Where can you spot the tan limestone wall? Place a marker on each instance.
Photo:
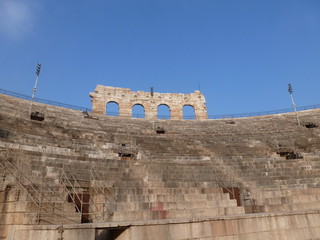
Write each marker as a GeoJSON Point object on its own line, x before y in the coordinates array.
{"type": "Point", "coordinates": [126, 99]}
{"type": "Point", "coordinates": [290, 226]}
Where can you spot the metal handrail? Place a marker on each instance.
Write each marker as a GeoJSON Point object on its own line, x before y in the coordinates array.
{"type": "Point", "coordinates": [116, 114]}
{"type": "Point", "coordinates": [53, 103]}
{"type": "Point", "coordinates": [66, 169]}
{"type": "Point", "coordinates": [24, 172]}
{"type": "Point", "coordinates": [35, 200]}
{"type": "Point", "coordinates": [263, 113]}
{"type": "Point", "coordinates": [97, 178]}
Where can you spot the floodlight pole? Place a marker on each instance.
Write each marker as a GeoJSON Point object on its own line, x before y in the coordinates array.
{"type": "Point", "coordinates": [292, 101]}
{"type": "Point", "coordinates": [35, 84]}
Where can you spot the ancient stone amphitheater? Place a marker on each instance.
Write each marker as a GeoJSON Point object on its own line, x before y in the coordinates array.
{"type": "Point", "coordinates": [74, 175]}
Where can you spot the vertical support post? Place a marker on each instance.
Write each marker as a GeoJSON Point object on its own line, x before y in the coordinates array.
{"type": "Point", "coordinates": [81, 203]}
{"type": "Point", "coordinates": [40, 204]}
{"type": "Point", "coordinates": [292, 101]}
{"type": "Point", "coordinates": [63, 213]}
{"type": "Point", "coordinates": [63, 194]}
{"type": "Point", "coordinates": [92, 187]}
{"type": "Point", "coordinates": [103, 207]}
{"type": "Point", "coordinates": [233, 195]}
{"type": "Point", "coordinates": [35, 85]}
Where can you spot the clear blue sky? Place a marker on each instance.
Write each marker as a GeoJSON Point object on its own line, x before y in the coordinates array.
{"type": "Point", "coordinates": [241, 53]}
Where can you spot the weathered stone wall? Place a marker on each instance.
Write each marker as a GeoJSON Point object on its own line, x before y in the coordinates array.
{"type": "Point", "coordinates": [173, 175]}
{"type": "Point", "coordinates": [126, 99]}
{"type": "Point", "coordinates": [289, 226]}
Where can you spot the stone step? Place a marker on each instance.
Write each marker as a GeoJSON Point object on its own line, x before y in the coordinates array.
{"type": "Point", "coordinates": [60, 218]}
{"type": "Point", "coordinates": [174, 184]}
{"type": "Point", "coordinates": [288, 199]}
{"type": "Point", "coordinates": [174, 214]}
{"type": "Point", "coordinates": [3, 231]}
{"type": "Point", "coordinates": [134, 206]}
{"type": "Point", "coordinates": [32, 207]}
{"type": "Point", "coordinates": [289, 207]}
{"type": "Point", "coordinates": [159, 190]}
{"type": "Point", "coordinates": [21, 218]}
{"type": "Point", "coordinates": [285, 193]}
{"type": "Point", "coordinates": [18, 218]}
{"type": "Point", "coordinates": [171, 198]}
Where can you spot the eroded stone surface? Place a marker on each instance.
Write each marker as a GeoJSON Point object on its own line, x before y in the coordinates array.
{"type": "Point", "coordinates": [169, 177]}
{"type": "Point", "coordinates": [126, 99]}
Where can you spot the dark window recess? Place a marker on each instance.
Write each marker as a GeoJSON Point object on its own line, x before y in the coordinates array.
{"type": "Point", "coordinates": [82, 202]}
{"type": "Point", "coordinates": [125, 155]}
{"type": "Point", "coordinates": [123, 144]}
{"type": "Point", "coordinates": [160, 130]}
{"type": "Point", "coordinates": [310, 125]}
{"type": "Point", "coordinates": [109, 233]}
{"type": "Point", "coordinates": [4, 133]}
{"type": "Point", "coordinates": [37, 116]}
{"type": "Point", "coordinates": [234, 193]}
{"type": "Point", "coordinates": [290, 155]}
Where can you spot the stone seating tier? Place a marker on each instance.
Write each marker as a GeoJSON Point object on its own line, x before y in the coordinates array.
{"type": "Point", "coordinates": [178, 174]}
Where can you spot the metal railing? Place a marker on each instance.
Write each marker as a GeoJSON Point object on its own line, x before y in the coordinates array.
{"type": "Point", "coordinates": [263, 113]}
{"type": "Point", "coordinates": [190, 117]}
{"type": "Point", "coordinates": [39, 100]}
{"type": "Point", "coordinates": [35, 191]}
{"type": "Point", "coordinates": [76, 188]}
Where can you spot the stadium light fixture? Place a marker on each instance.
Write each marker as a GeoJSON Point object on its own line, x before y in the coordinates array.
{"type": "Point", "coordinates": [292, 101]}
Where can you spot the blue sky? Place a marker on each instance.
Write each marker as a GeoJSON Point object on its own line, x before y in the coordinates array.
{"type": "Point", "coordinates": [242, 53]}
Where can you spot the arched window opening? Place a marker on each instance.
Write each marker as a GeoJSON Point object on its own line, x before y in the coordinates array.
{"type": "Point", "coordinates": [112, 109]}
{"type": "Point", "coordinates": [138, 111]}
{"type": "Point", "coordinates": [188, 112]}
{"type": "Point", "coordinates": [163, 111]}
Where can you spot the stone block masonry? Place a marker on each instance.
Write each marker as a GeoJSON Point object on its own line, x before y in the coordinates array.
{"type": "Point", "coordinates": [126, 99]}
{"type": "Point", "coordinates": [180, 184]}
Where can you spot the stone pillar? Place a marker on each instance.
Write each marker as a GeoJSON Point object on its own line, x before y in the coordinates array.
{"type": "Point", "coordinates": [149, 110]}
{"type": "Point", "coordinates": [176, 112]}
{"type": "Point", "coordinates": [98, 106]}
{"type": "Point", "coordinates": [201, 113]}
{"type": "Point", "coordinates": [125, 109]}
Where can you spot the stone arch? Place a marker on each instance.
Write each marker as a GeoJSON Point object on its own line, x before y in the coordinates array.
{"type": "Point", "coordinates": [189, 112]}
{"type": "Point", "coordinates": [138, 111]}
{"type": "Point", "coordinates": [163, 111]}
{"type": "Point", "coordinates": [150, 101]}
{"type": "Point", "coordinates": [112, 108]}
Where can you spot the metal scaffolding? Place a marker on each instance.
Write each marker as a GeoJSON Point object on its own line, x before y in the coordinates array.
{"type": "Point", "coordinates": [54, 198]}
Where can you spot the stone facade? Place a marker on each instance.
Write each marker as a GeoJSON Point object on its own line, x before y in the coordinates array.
{"type": "Point", "coordinates": [126, 99]}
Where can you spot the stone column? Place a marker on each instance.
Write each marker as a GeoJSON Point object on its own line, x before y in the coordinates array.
{"type": "Point", "coordinates": [147, 110]}
{"type": "Point", "coordinates": [201, 114]}
{"type": "Point", "coordinates": [125, 109]}
{"type": "Point", "coordinates": [176, 112]}
{"type": "Point", "coordinates": [98, 106]}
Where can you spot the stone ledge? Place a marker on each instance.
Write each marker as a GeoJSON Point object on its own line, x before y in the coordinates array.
{"type": "Point", "coordinates": [171, 221]}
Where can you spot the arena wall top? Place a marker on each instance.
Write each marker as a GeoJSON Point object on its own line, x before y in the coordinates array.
{"type": "Point", "coordinates": [127, 99]}
{"type": "Point", "coordinates": [220, 116]}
